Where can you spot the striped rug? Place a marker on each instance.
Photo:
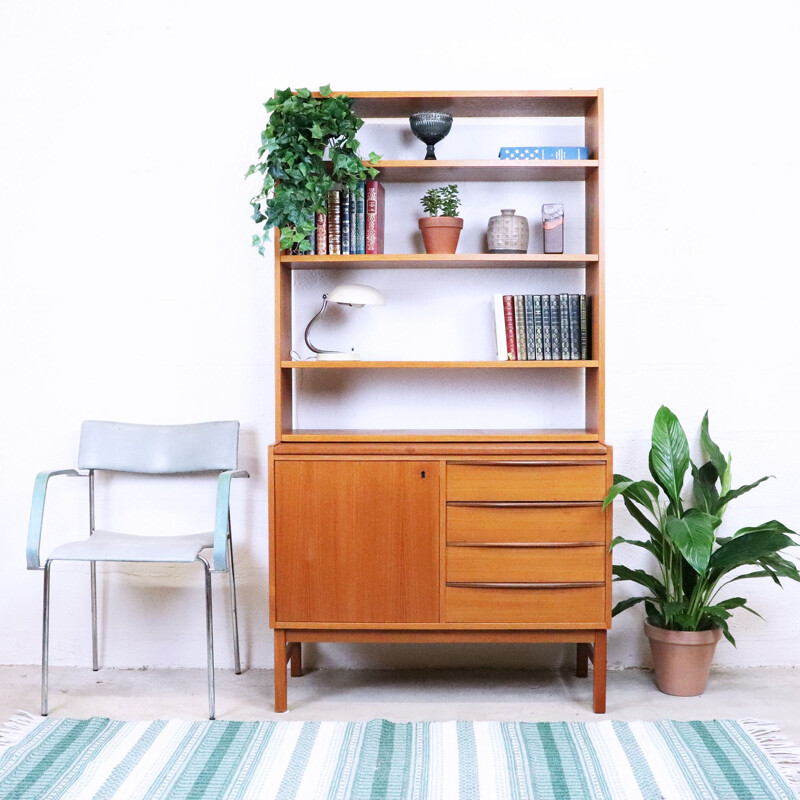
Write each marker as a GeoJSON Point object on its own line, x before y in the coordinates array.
{"type": "Point", "coordinates": [97, 759]}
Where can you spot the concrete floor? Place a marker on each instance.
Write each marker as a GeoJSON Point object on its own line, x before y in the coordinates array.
{"type": "Point", "coordinates": [400, 695]}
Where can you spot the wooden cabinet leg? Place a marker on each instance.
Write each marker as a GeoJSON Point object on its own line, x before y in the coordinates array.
{"type": "Point", "coordinates": [280, 671]}
{"type": "Point", "coordinates": [582, 660]}
{"type": "Point", "coordinates": [296, 659]}
{"type": "Point", "coordinates": [599, 672]}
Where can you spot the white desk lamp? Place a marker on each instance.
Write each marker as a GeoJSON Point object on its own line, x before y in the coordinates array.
{"type": "Point", "coordinates": [356, 295]}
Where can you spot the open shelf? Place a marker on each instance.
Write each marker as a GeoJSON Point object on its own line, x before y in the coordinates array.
{"type": "Point", "coordinates": [439, 364]}
{"type": "Point", "coordinates": [441, 435]}
{"type": "Point", "coordinates": [458, 261]}
{"type": "Point", "coordinates": [545, 103]}
{"type": "Point", "coordinates": [485, 170]}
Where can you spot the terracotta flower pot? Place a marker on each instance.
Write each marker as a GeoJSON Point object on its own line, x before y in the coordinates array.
{"type": "Point", "coordinates": [440, 234]}
{"type": "Point", "coordinates": [682, 659]}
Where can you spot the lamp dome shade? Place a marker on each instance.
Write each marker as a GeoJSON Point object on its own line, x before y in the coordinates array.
{"type": "Point", "coordinates": [356, 294]}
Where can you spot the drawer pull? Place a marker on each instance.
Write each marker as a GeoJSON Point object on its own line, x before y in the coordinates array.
{"type": "Point", "coordinates": [491, 585]}
{"type": "Point", "coordinates": [524, 503]}
{"type": "Point", "coordinates": [527, 463]}
{"type": "Point", "coordinates": [525, 544]}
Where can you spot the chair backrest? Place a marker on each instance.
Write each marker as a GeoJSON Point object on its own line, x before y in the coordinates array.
{"type": "Point", "coordinates": [159, 449]}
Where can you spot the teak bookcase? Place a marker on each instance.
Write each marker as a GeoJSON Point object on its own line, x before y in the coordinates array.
{"type": "Point", "coordinates": [447, 535]}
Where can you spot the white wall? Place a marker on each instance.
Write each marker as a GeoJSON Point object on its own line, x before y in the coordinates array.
{"type": "Point", "coordinates": [129, 290]}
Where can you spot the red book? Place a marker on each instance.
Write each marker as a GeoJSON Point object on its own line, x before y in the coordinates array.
{"type": "Point", "coordinates": [322, 233]}
{"type": "Point", "coordinates": [511, 328]}
{"type": "Point", "coordinates": [375, 205]}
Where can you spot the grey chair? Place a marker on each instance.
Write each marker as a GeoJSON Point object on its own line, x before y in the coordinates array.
{"type": "Point", "coordinates": [155, 450]}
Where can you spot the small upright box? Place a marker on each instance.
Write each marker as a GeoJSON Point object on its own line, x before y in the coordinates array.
{"type": "Point", "coordinates": [553, 227]}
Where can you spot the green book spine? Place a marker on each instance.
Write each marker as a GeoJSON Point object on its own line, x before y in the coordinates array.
{"type": "Point", "coordinates": [574, 328]}
{"type": "Point", "coordinates": [547, 350]}
{"type": "Point", "coordinates": [563, 318]}
{"type": "Point", "coordinates": [530, 345]}
{"type": "Point", "coordinates": [555, 328]}
{"type": "Point", "coordinates": [519, 323]}
{"type": "Point", "coordinates": [584, 327]}
{"type": "Point", "coordinates": [538, 332]}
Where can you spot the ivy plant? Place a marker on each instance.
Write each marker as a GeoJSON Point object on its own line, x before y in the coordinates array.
{"type": "Point", "coordinates": [694, 561]}
{"type": "Point", "coordinates": [308, 147]}
{"type": "Point", "coordinates": [442, 201]}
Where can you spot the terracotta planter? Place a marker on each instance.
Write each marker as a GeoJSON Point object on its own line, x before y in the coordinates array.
{"type": "Point", "coordinates": [682, 659]}
{"type": "Point", "coordinates": [440, 234]}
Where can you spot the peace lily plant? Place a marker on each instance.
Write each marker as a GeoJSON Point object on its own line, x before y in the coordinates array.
{"type": "Point", "coordinates": [694, 562]}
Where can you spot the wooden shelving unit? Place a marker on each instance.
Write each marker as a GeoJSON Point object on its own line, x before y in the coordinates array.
{"type": "Point", "coordinates": [444, 534]}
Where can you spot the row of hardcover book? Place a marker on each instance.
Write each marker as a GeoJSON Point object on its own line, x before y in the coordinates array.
{"type": "Point", "coordinates": [542, 327]}
{"type": "Point", "coordinates": [353, 223]}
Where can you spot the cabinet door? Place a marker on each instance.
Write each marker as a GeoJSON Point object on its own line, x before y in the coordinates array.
{"type": "Point", "coordinates": [357, 541]}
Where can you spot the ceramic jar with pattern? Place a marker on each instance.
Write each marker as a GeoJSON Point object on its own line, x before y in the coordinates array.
{"type": "Point", "coordinates": [507, 233]}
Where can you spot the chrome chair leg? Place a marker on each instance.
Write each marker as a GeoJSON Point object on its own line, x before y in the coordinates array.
{"type": "Point", "coordinates": [237, 663]}
{"type": "Point", "coordinates": [93, 574]}
{"type": "Point", "coordinates": [45, 635]}
{"type": "Point", "coordinates": [209, 639]}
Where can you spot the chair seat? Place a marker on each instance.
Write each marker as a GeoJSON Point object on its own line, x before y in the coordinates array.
{"type": "Point", "coordinates": [109, 546]}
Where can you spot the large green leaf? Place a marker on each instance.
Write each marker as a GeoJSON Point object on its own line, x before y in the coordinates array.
{"type": "Point", "coordinates": [711, 448]}
{"type": "Point", "coordinates": [623, 573]}
{"type": "Point", "coordinates": [734, 493]}
{"type": "Point", "coordinates": [747, 549]}
{"type": "Point", "coordinates": [669, 454]}
{"type": "Point", "coordinates": [636, 542]}
{"type": "Point", "coordinates": [650, 527]}
{"type": "Point", "coordinates": [706, 496]}
{"type": "Point", "coordinates": [625, 604]}
{"type": "Point", "coordinates": [643, 492]}
{"type": "Point", "coordinates": [693, 535]}
{"type": "Point", "coordinates": [773, 526]}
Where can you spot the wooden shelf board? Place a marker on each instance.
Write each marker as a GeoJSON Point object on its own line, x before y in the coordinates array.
{"type": "Point", "coordinates": [439, 364]}
{"type": "Point", "coordinates": [574, 103]}
{"type": "Point", "coordinates": [485, 170]}
{"type": "Point", "coordinates": [444, 261]}
{"type": "Point", "coordinates": [444, 435]}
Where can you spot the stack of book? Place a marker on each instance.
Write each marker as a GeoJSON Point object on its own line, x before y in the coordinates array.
{"type": "Point", "coordinates": [353, 223]}
{"type": "Point", "coordinates": [543, 153]}
{"type": "Point", "coordinates": [542, 327]}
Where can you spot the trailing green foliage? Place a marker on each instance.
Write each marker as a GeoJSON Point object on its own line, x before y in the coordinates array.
{"type": "Point", "coordinates": [442, 201]}
{"type": "Point", "coordinates": [694, 561]}
{"type": "Point", "coordinates": [303, 134]}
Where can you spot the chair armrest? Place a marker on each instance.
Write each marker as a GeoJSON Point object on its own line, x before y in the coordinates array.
{"type": "Point", "coordinates": [37, 513]}
{"type": "Point", "coordinates": [222, 516]}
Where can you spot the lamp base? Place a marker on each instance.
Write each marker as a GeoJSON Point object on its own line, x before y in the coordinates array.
{"type": "Point", "coordinates": [338, 357]}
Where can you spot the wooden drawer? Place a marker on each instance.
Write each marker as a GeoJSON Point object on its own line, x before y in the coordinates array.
{"type": "Point", "coordinates": [510, 524]}
{"type": "Point", "coordinates": [547, 481]}
{"type": "Point", "coordinates": [525, 564]}
{"type": "Point", "coordinates": [553, 607]}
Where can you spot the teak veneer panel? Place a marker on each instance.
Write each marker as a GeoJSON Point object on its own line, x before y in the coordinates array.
{"type": "Point", "coordinates": [525, 564]}
{"type": "Point", "coordinates": [358, 541]}
{"type": "Point", "coordinates": [562, 607]}
{"type": "Point", "coordinates": [562, 524]}
{"type": "Point", "coordinates": [506, 481]}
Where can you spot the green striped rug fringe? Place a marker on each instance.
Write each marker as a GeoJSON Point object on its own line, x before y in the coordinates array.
{"type": "Point", "coordinates": [100, 759]}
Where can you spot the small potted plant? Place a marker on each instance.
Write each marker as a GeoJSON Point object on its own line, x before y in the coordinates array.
{"type": "Point", "coordinates": [686, 615]}
{"type": "Point", "coordinates": [441, 229]}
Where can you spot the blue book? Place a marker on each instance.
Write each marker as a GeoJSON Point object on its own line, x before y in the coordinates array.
{"type": "Point", "coordinates": [543, 153]}
{"type": "Point", "coordinates": [361, 243]}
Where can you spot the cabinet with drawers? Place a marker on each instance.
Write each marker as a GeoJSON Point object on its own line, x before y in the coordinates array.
{"type": "Point", "coordinates": [435, 543]}
{"type": "Point", "coordinates": [449, 535]}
